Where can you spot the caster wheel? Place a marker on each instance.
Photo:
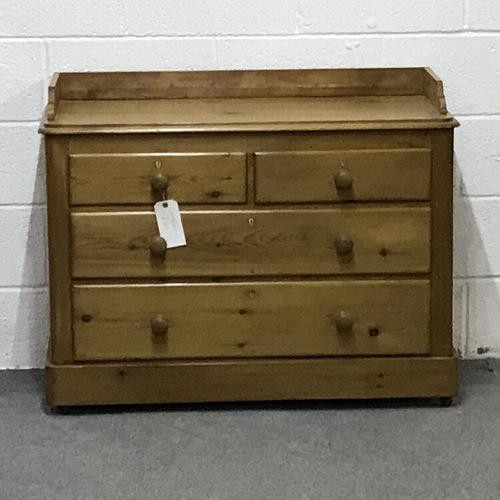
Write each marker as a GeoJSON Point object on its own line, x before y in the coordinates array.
{"type": "Point", "coordinates": [446, 402]}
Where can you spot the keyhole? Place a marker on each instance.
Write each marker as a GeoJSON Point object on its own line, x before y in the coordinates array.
{"type": "Point", "coordinates": [158, 164]}
{"type": "Point", "coordinates": [251, 221]}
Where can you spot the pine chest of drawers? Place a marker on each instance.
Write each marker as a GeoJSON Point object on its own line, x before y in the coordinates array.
{"type": "Point", "coordinates": [317, 208]}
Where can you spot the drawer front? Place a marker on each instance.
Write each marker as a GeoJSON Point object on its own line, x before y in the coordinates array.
{"type": "Point", "coordinates": [252, 243]}
{"type": "Point", "coordinates": [251, 319]}
{"type": "Point", "coordinates": [146, 178]}
{"type": "Point", "coordinates": [316, 176]}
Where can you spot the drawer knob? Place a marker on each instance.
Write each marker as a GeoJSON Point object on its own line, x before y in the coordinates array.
{"type": "Point", "coordinates": [158, 247]}
{"type": "Point", "coordinates": [159, 183]}
{"type": "Point", "coordinates": [343, 180]}
{"type": "Point", "coordinates": [343, 321]}
{"type": "Point", "coordinates": [344, 245]}
{"type": "Point", "coordinates": [159, 325]}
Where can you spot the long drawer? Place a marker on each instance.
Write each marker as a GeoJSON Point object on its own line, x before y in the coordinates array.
{"type": "Point", "coordinates": [145, 178]}
{"type": "Point", "coordinates": [326, 176]}
{"type": "Point", "coordinates": [245, 243]}
{"type": "Point", "coordinates": [253, 319]}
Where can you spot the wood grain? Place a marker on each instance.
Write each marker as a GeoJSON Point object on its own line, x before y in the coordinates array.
{"type": "Point", "coordinates": [253, 380]}
{"type": "Point", "coordinates": [53, 97]}
{"type": "Point", "coordinates": [442, 244]}
{"type": "Point", "coordinates": [126, 179]}
{"type": "Point", "coordinates": [251, 128]}
{"type": "Point", "coordinates": [247, 83]}
{"type": "Point", "coordinates": [250, 319]}
{"type": "Point", "coordinates": [249, 142]}
{"type": "Point", "coordinates": [246, 243]}
{"type": "Point", "coordinates": [159, 102]}
{"type": "Point", "coordinates": [258, 304]}
{"type": "Point", "coordinates": [309, 176]}
{"type": "Point", "coordinates": [433, 90]}
{"type": "Point", "coordinates": [59, 250]}
{"type": "Point", "coordinates": [235, 111]}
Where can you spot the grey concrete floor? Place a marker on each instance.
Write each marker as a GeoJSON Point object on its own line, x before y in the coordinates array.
{"type": "Point", "coordinates": [317, 450]}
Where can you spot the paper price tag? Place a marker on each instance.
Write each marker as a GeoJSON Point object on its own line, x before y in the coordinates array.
{"type": "Point", "coordinates": [169, 223]}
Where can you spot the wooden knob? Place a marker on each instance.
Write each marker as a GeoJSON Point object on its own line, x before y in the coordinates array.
{"type": "Point", "coordinates": [159, 183]}
{"type": "Point", "coordinates": [343, 321]}
{"type": "Point", "coordinates": [158, 247]}
{"type": "Point", "coordinates": [159, 325]}
{"type": "Point", "coordinates": [343, 180]}
{"type": "Point", "coordinates": [344, 245]}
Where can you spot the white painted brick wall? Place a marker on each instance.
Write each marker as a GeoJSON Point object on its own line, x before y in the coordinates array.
{"type": "Point", "coordinates": [460, 39]}
{"type": "Point", "coordinates": [380, 16]}
{"type": "Point", "coordinates": [22, 75]}
{"type": "Point", "coordinates": [131, 54]}
{"type": "Point", "coordinates": [300, 52]}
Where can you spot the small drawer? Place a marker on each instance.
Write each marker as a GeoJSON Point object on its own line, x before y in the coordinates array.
{"type": "Point", "coordinates": [145, 178]}
{"type": "Point", "coordinates": [326, 176]}
{"type": "Point", "coordinates": [230, 320]}
{"type": "Point", "coordinates": [254, 242]}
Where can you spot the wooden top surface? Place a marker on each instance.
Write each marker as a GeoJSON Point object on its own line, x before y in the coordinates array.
{"type": "Point", "coordinates": [245, 100]}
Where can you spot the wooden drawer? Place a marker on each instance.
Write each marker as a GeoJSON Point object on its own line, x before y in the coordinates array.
{"type": "Point", "coordinates": [141, 178]}
{"type": "Point", "coordinates": [265, 242]}
{"type": "Point", "coordinates": [251, 319]}
{"type": "Point", "coordinates": [321, 176]}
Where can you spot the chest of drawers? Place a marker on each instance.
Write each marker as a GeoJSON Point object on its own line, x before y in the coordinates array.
{"type": "Point", "coordinates": [317, 207]}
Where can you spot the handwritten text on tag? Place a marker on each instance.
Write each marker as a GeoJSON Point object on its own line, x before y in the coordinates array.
{"type": "Point", "coordinates": [169, 223]}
